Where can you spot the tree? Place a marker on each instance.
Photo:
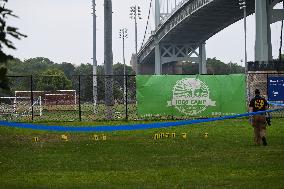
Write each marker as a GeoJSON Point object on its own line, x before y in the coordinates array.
{"type": "Point", "coordinates": [53, 79]}
{"type": "Point", "coordinates": [189, 68]}
{"type": "Point", "coordinates": [214, 66]}
{"type": "Point", "coordinates": [5, 32]}
{"type": "Point", "coordinates": [30, 66]}
{"type": "Point", "coordinates": [67, 68]}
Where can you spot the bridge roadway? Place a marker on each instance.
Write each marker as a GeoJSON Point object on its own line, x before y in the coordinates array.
{"type": "Point", "coordinates": [194, 22]}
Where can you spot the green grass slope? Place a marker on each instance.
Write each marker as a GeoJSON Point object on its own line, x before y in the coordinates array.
{"type": "Point", "coordinates": [226, 159]}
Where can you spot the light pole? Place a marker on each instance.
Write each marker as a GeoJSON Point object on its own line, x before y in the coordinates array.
{"type": "Point", "coordinates": [135, 13]}
{"type": "Point", "coordinates": [123, 34]}
{"type": "Point", "coordinates": [95, 90]}
{"type": "Point", "coordinates": [242, 4]}
{"type": "Point", "coordinates": [108, 59]}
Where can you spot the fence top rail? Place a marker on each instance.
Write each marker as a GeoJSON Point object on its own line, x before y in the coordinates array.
{"type": "Point", "coordinates": [117, 75]}
{"type": "Point", "coordinates": [114, 75]}
{"type": "Point", "coordinates": [18, 75]}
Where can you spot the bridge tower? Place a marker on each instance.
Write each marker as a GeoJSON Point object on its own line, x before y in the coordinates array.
{"type": "Point", "coordinates": [166, 53]}
{"type": "Point", "coordinates": [264, 66]}
{"type": "Point", "coordinates": [264, 16]}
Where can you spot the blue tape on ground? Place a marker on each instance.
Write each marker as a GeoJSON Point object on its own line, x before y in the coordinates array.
{"type": "Point", "coordinates": [125, 127]}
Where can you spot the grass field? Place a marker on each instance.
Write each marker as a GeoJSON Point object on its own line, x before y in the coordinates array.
{"type": "Point", "coordinates": [226, 159]}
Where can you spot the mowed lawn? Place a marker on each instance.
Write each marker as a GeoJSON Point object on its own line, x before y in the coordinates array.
{"type": "Point", "coordinates": [227, 158]}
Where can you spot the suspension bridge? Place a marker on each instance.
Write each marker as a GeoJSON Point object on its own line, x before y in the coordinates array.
{"type": "Point", "coordinates": [182, 28]}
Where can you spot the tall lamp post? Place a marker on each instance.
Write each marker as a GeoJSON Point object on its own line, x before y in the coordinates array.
{"type": "Point", "coordinates": [108, 58]}
{"type": "Point", "coordinates": [135, 13]}
{"type": "Point", "coordinates": [95, 90]}
{"type": "Point", "coordinates": [242, 4]}
{"type": "Point", "coordinates": [123, 34]}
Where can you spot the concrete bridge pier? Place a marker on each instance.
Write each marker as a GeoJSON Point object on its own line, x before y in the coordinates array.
{"type": "Point", "coordinates": [264, 66]}
{"type": "Point", "coordinates": [264, 16]}
{"type": "Point", "coordinates": [158, 65]}
{"type": "Point", "coordinates": [202, 59]}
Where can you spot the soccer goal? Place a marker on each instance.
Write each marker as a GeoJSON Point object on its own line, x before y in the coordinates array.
{"type": "Point", "coordinates": [53, 100]}
{"type": "Point", "coordinates": [20, 106]}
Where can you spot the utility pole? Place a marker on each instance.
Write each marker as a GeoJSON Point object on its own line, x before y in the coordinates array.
{"type": "Point", "coordinates": [123, 35]}
{"type": "Point", "coordinates": [108, 58]}
{"type": "Point", "coordinates": [158, 66]}
{"type": "Point", "coordinates": [157, 14]}
{"type": "Point", "coordinates": [242, 4]}
{"type": "Point", "coordinates": [167, 6]}
{"type": "Point", "coordinates": [281, 40]}
{"type": "Point", "coordinates": [135, 13]}
{"type": "Point", "coordinates": [95, 87]}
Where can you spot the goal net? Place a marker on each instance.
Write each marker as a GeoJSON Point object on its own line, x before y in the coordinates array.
{"type": "Point", "coordinates": [53, 100]}
{"type": "Point", "coordinates": [20, 106]}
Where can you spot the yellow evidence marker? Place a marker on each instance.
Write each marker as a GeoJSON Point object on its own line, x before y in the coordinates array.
{"type": "Point", "coordinates": [104, 137]}
{"type": "Point", "coordinates": [36, 139]}
{"type": "Point", "coordinates": [184, 135]}
{"type": "Point", "coordinates": [173, 135]}
{"type": "Point", "coordinates": [167, 135]}
{"type": "Point", "coordinates": [96, 137]}
{"type": "Point", "coordinates": [156, 136]}
{"type": "Point", "coordinates": [205, 135]}
{"type": "Point", "coordinates": [64, 137]}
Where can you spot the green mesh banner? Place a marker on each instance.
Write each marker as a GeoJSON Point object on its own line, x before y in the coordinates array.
{"type": "Point", "coordinates": [200, 95]}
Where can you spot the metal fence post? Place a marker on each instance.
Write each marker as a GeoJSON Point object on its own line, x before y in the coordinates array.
{"type": "Point", "coordinates": [32, 96]}
{"type": "Point", "coordinates": [79, 97]}
{"type": "Point", "coordinates": [126, 101]}
{"type": "Point", "coordinates": [267, 85]}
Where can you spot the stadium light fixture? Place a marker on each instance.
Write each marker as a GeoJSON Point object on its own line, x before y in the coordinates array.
{"type": "Point", "coordinates": [135, 13]}
{"type": "Point", "coordinates": [242, 4]}
{"type": "Point", "coordinates": [123, 34]}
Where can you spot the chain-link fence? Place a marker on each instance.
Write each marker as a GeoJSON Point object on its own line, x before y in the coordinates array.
{"type": "Point", "coordinates": [260, 80]}
{"type": "Point", "coordinates": [87, 97]}
{"type": "Point", "coordinates": [79, 98]}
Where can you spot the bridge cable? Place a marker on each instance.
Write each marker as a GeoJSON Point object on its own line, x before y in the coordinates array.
{"type": "Point", "coordinates": [148, 18]}
{"type": "Point", "coordinates": [281, 40]}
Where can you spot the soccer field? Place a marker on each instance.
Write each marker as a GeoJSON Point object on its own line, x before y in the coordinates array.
{"type": "Point", "coordinates": [227, 158]}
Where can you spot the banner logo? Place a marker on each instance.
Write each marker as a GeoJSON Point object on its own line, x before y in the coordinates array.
{"type": "Point", "coordinates": [191, 96]}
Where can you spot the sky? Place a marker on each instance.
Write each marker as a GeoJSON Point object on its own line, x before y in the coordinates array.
{"type": "Point", "coordinates": [61, 30]}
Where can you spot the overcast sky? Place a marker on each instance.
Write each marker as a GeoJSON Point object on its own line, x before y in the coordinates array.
{"type": "Point", "coordinates": [61, 30]}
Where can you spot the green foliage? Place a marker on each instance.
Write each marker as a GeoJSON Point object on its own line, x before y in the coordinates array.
{"type": "Point", "coordinates": [32, 66]}
{"type": "Point", "coordinates": [3, 79]}
{"type": "Point", "coordinates": [53, 79]}
{"type": "Point", "coordinates": [214, 66]}
{"type": "Point", "coordinates": [86, 70]}
{"type": "Point", "coordinates": [4, 87]}
{"type": "Point", "coordinates": [6, 31]}
{"type": "Point", "coordinates": [67, 68]}
{"type": "Point", "coordinates": [218, 67]}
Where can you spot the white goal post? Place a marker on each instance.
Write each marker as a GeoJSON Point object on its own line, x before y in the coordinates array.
{"type": "Point", "coordinates": [20, 106]}
{"type": "Point", "coordinates": [58, 100]}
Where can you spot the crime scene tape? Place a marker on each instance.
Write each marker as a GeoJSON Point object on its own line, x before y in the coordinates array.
{"type": "Point", "coordinates": [276, 104]}
{"type": "Point", "coordinates": [108, 128]}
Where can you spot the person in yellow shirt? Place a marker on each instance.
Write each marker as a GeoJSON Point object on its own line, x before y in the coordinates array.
{"type": "Point", "coordinates": [256, 104]}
